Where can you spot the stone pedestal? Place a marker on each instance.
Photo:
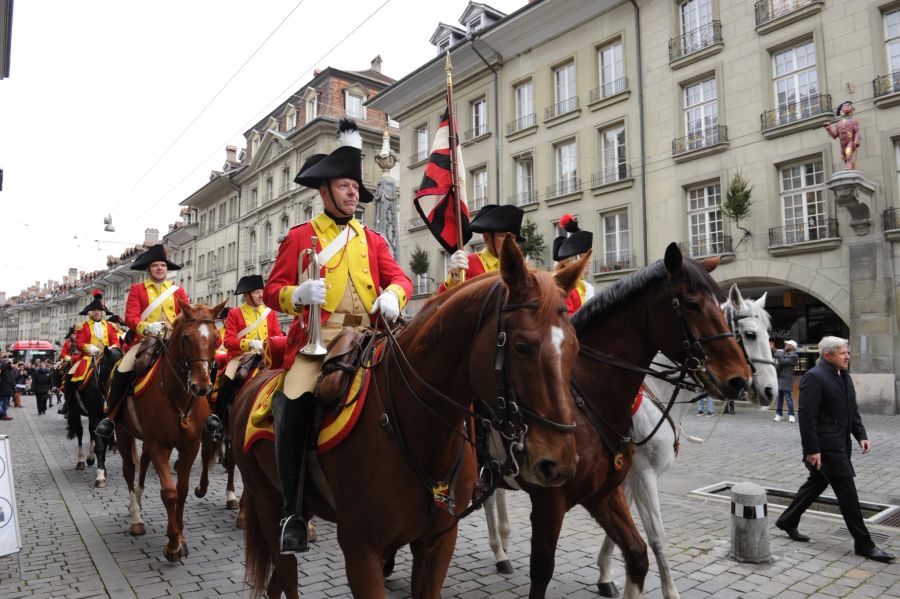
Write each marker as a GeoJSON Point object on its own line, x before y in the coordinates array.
{"type": "Point", "coordinates": [749, 524]}
{"type": "Point", "coordinates": [854, 192]}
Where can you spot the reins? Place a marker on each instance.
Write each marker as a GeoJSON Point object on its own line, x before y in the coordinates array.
{"type": "Point", "coordinates": [184, 368]}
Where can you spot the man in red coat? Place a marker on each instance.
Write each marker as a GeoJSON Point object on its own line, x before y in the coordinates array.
{"type": "Point", "coordinates": [245, 330]}
{"type": "Point", "coordinates": [149, 311]}
{"type": "Point", "coordinates": [95, 333]}
{"type": "Point", "coordinates": [491, 221]}
{"type": "Point", "coordinates": [358, 278]}
{"type": "Point", "coordinates": [567, 248]}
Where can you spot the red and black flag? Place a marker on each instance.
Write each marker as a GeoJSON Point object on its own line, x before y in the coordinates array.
{"type": "Point", "coordinates": [438, 202]}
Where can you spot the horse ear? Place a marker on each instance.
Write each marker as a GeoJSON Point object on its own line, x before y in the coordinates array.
{"type": "Point", "coordinates": [567, 277]}
{"type": "Point", "coordinates": [710, 264]}
{"type": "Point", "coordinates": [674, 260]}
{"type": "Point", "coordinates": [185, 308]}
{"type": "Point", "coordinates": [218, 309]}
{"type": "Point", "coordinates": [761, 302]}
{"type": "Point", "coordinates": [513, 269]}
{"type": "Point", "coordinates": [735, 298]}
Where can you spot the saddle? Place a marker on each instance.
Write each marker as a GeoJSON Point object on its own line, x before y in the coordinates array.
{"type": "Point", "coordinates": [147, 355]}
{"type": "Point", "coordinates": [246, 365]}
{"type": "Point", "coordinates": [346, 353]}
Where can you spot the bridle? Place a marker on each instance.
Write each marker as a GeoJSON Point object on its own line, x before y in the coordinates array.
{"type": "Point", "coordinates": [183, 372]}
{"type": "Point", "coordinates": [733, 318]}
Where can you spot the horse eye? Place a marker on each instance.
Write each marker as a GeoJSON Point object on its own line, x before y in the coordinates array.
{"type": "Point", "coordinates": [750, 334]}
{"type": "Point", "coordinates": [692, 305]}
{"type": "Point", "coordinates": [523, 348]}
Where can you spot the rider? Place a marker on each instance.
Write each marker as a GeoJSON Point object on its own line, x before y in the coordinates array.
{"type": "Point", "coordinates": [567, 248]}
{"type": "Point", "coordinates": [245, 330]}
{"type": "Point", "coordinates": [359, 277]}
{"type": "Point", "coordinates": [95, 333]}
{"type": "Point", "coordinates": [150, 309]}
{"type": "Point", "coordinates": [491, 221]}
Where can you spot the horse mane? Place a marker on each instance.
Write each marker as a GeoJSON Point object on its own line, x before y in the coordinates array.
{"type": "Point", "coordinates": [623, 290]}
{"type": "Point", "coordinates": [761, 313]}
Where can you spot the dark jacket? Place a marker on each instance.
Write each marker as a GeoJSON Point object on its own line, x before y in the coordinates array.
{"type": "Point", "coordinates": [41, 382]}
{"type": "Point", "coordinates": [828, 416]}
{"type": "Point", "coordinates": [785, 363]}
{"type": "Point", "coordinates": [7, 379]}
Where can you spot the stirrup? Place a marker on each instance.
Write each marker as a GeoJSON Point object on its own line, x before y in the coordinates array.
{"type": "Point", "coordinates": [105, 428]}
{"type": "Point", "coordinates": [215, 429]}
{"type": "Point", "coordinates": [294, 536]}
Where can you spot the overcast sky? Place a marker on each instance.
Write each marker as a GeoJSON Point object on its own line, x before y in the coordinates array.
{"type": "Point", "coordinates": [101, 91]}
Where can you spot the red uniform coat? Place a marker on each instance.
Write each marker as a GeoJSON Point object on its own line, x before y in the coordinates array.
{"type": "Point", "coordinates": [573, 301]}
{"type": "Point", "coordinates": [67, 350]}
{"type": "Point", "coordinates": [138, 302]}
{"type": "Point", "coordinates": [235, 323]}
{"type": "Point", "coordinates": [476, 267]}
{"type": "Point", "coordinates": [383, 270]}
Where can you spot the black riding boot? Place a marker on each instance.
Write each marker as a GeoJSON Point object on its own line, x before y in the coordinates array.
{"type": "Point", "coordinates": [118, 388]}
{"type": "Point", "coordinates": [215, 424]}
{"type": "Point", "coordinates": [292, 421]}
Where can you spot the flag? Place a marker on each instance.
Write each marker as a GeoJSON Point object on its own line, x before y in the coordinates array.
{"type": "Point", "coordinates": [435, 201]}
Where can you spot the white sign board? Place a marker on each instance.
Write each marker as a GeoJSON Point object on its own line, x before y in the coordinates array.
{"type": "Point", "coordinates": [10, 539]}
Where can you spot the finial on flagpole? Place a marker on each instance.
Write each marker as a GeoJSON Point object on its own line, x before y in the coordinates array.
{"type": "Point", "coordinates": [448, 67]}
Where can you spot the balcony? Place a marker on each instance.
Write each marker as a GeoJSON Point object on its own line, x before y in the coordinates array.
{"type": "Point", "coordinates": [423, 287]}
{"type": "Point", "coordinates": [613, 262]}
{"type": "Point", "coordinates": [418, 157]}
{"type": "Point", "coordinates": [700, 143]}
{"type": "Point", "coordinates": [618, 173]}
{"type": "Point", "coordinates": [267, 256]}
{"type": "Point", "coordinates": [891, 219]}
{"type": "Point", "coordinates": [526, 198]}
{"type": "Point", "coordinates": [887, 90]}
{"type": "Point", "coordinates": [819, 234]}
{"type": "Point", "coordinates": [565, 187]}
{"type": "Point", "coordinates": [249, 261]}
{"type": "Point", "coordinates": [521, 124]}
{"type": "Point", "coordinates": [695, 45]}
{"type": "Point", "coordinates": [607, 90]}
{"type": "Point", "coordinates": [795, 116]}
{"type": "Point", "coordinates": [416, 222]}
{"type": "Point", "coordinates": [472, 134]}
{"type": "Point", "coordinates": [773, 14]}
{"type": "Point", "coordinates": [477, 204]}
{"type": "Point", "coordinates": [567, 106]}
{"type": "Point", "coordinates": [704, 247]}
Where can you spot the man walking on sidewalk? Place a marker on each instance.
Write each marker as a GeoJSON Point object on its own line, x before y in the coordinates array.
{"type": "Point", "coordinates": [828, 418]}
{"type": "Point", "coordinates": [7, 385]}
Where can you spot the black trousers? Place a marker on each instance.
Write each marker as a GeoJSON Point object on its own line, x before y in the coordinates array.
{"type": "Point", "coordinates": [845, 491]}
{"type": "Point", "coordinates": [41, 402]}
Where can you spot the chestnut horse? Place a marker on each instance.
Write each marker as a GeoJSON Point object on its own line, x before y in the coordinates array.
{"type": "Point", "coordinates": [171, 414]}
{"type": "Point", "coordinates": [673, 307]}
{"type": "Point", "coordinates": [410, 434]}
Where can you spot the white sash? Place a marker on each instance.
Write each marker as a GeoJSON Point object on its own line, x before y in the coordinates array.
{"type": "Point", "coordinates": [336, 245]}
{"type": "Point", "coordinates": [158, 302]}
{"type": "Point", "coordinates": [254, 325]}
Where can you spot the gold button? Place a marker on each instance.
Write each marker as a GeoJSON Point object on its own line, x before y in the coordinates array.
{"type": "Point", "coordinates": [362, 241]}
{"type": "Point", "coordinates": [363, 254]}
{"type": "Point", "coordinates": [328, 286]}
{"type": "Point", "coordinates": [330, 270]}
{"type": "Point", "coordinates": [368, 286]}
{"type": "Point", "coordinates": [365, 270]}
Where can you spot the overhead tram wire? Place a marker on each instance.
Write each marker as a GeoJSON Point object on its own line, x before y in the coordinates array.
{"type": "Point", "coordinates": [258, 115]}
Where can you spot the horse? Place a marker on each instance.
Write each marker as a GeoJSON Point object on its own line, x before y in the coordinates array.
{"type": "Point", "coordinates": [171, 414]}
{"type": "Point", "coordinates": [89, 402]}
{"type": "Point", "coordinates": [670, 306]}
{"type": "Point", "coordinates": [503, 338]}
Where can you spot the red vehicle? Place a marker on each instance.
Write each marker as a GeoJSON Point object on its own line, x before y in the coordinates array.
{"type": "Point", "coordinates": [26, 351]}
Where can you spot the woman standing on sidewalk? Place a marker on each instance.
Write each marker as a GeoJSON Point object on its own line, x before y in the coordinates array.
{"type": "Point", "coordinates": [21, 376]}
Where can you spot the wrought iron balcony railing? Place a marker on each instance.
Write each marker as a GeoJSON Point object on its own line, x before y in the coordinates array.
{"type": "Point", "coordinates": [523, 199]}
{"type": "Point", "coordinates": [475, 132]}
{"type": "Point", "coordinates": [713, 245]}
{"type": "Point", "coordinates": [561, 188]}
{"type": "Point", "coordinates": [811, 106]}
{"type": "Point", "coordinates": [529, 120]}
{"type": "Point", "coordinates": [613, 261]}
{"type": "Point", "coordinates": [816, 229]}
{"type": "Point", "coordinates": [699, 139]}
{"type": "Point", "coordinates": [891, 218]}
{"type": "Point", "coordinates": [886, 84]}
{"type": "Point", "coordinates": [560, 108]}
{"type": "Point", "coordinates": [418, 157]}
{"type": "Point", "coordinates": [608, 89]}
{"type": "Point", "coordinates": [769, 10]}
{"type": "Point", "coordinates": [693, 41]}
{"type": "Point", "coordinates": [611, 174]}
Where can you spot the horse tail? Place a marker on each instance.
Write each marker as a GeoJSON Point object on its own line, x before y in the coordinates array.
{"type": "Point", "coordinates": [73, 418]}
{"type": "Point", "coordinates": [258, 555]}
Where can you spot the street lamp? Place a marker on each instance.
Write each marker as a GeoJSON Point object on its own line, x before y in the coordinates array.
{"type": "Point", "coordinates": [109, 228]}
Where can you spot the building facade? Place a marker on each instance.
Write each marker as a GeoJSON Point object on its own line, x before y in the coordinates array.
{"type": "Point", "coordinates": [636, 117]}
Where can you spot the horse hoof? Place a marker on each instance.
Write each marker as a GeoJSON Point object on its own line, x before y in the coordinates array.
{"type": "Point", "coordinates": [137, 530]}
{"type": "Point", "coordinates": [311, 533]}
{"type": "Point", "coordinates": [90, 461]}
{"type": "Point", "coordinates": [199, 492]}
{"type": "Point", "coordinates": [100, 484]}
{"type": "Point", "coordinates": [79, 466]}
{"type": "Point", "coordinates": [170, 556]}
{"type": "Point", "coordinates": [233, 504]}
{"type": "Point", "coordinates": [607, 589]}
{"type": "Point", "coordinates": [184, 551]}
{"type": "Point", "coordinates": [504, 567]}
{"type": "Point", "coordinates": [240, 522]}
{"type": "Point", "coordinates": [389, 565]}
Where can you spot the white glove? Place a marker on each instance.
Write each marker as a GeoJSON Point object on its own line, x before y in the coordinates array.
{"type": "Point", "coordinates": [255, 344]}
{"type": "Point", "coordinates": [154, 328]}
{"type": "Point", "coordinates": [92, 349]}
{"type": "Point", "coordinates": [309, 293]}
{"type": "Point", "coordinates": [388, 304]}
{"type": "Point", "coordinates": [459, 261]}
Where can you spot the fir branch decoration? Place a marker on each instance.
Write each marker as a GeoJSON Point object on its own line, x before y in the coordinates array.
{"type": "Point", "coordinates": [533, 247]}
{"type": "Point", "coordinates": [418, 261]}
{"type": "Point", "coordinates": [738, 203]}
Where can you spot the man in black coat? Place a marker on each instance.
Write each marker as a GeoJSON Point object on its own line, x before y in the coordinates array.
{"type": "Point", "coordinates": [7, 385]}
{"type": "Point", "coordinates": [828, 417]}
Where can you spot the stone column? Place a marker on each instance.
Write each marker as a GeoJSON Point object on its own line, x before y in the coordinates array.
{"type": "Point", "coordinates": [386, 197]}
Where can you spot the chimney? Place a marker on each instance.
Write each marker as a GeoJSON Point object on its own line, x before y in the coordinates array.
{"type": "Point", "coordinates": [231, 154]}
{"type": "Point", "coordinates": [376, 64]}
{"type": "Point", "coordinates": [151, 237]}
{"type": "Point", "coordinates": [73, 275]}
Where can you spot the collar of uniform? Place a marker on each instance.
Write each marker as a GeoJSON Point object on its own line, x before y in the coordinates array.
{"type": "Point", "coordinates": [490, 261]}
{"type": "Point", "coordinates": [255, 309]}
{"type": "Point", "coordinates": [326, 225]}
{"type": "Point", "coordinates": [151, 283]}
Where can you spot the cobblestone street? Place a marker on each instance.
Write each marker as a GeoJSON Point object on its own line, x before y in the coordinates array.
{"type": "Point", "coordinates": [76, 541]}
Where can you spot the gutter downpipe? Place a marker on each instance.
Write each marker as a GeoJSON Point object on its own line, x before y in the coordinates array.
{"type": "Point", "coordinates": [496, 113]}
{"type": "Point", "coordinates": [640, 91]}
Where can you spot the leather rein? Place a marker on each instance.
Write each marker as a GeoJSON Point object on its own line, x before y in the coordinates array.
{"type": "Point", "coordinates": [183, 373]}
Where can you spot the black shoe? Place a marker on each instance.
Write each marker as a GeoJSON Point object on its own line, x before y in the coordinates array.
{"type": "Point", "coordinates": [876, 554]}
{"type": "Point", "coordinates": [792, 532]}
{"type": "Point", "coordinates": [294, 535]}
{"type": "Point", "coordinates": [63, 409]}
{"type": "Point", "coordinates": [215, 429]}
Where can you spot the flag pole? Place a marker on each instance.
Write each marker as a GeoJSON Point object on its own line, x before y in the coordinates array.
{"type": "Point", "coordinates": [454, 143]}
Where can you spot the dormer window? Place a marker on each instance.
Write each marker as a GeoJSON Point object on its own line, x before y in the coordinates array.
{"type": "Point", "coordinates": [444, 45]}
{"type": "Point", "coordinates": [354, 97]}
{"type": "Point", "coordinates": [291, 121]}
{"type": "Point", "coordinates": [254, 143]}
{"type": "Point", "coordinates": [474, 24]}
{"type": "Point", "coordinates": [311, 98]}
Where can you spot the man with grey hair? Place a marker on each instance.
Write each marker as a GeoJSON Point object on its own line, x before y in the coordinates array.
{"type": "Point", "coordinates": [828, 418]}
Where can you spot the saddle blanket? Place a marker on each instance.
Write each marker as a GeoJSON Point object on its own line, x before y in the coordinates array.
{"type": "Point", "coordinates": [143, 382]}
{"type": "Point", "coordinates": [334, 429]}
{"type": "Point", "coordinates": [82, 371]}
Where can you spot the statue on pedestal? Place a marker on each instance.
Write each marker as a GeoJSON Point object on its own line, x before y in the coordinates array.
{"type": "Point", "coordinates": [846, 131]}
{"type": "Point", "coordinates": [386, 197]}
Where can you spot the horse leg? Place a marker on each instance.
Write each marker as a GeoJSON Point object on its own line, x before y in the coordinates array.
{"type": "Point", "coordinates": [364, 566]}
{"type": "Point", "coordinates": [548, 508]}
{"type": "Point", "coordinates": [185, 462]}
{"type": "Point", "coordinates": [75, 430]}
{"type": "Point", "coordinates": [613, 515]}
{"type": "Point", "coordinates": [492, 515]}
{"type": "Point", "coordinates": [431, 559]}
{"type": "Point", "coordinates": [646, 498]}
{"type": "Point", "coordinates": [129, 462]}
{"type": "Point", "coordinates": [207, 455]}
{"type": "Point", "coordinates": [91, 456]}
{"type": "Point", "coordinates": [100, 444]}
{"type": "Point", "coordinates": [169, 495]}
{"type": "Point", "coordinates": [605, 584]}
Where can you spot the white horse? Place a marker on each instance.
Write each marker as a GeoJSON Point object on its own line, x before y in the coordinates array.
{"type": "Point", "coordinates": [751, 323]}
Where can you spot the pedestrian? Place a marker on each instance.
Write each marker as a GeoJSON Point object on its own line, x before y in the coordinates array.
{"type": "Point", "coordinates": [707, 399]}
{"type": "Point", "coordinates": [21, 376]}
{"type": "Point", "coordinates": [785, 362]}
{"type": "Point", "coordinates": [7, 385]}
{"type": "Point", "coordinates": [828, 418]}
{"type": "Point", "coordinates": [41, 386]}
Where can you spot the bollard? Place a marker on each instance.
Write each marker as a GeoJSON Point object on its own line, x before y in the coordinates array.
{"type": "Point", "coordinates": [749, 524]}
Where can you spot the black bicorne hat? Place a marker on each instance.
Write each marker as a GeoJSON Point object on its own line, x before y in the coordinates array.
{"type": "Point", "coordinates": [156, 253]}
{"type": "Point", "coordinates": [557, 243]}
{"type": "Point", "coordinates": [96, 304]}
{"type": "Point", "coordinates": [345, 161]}
{"type": "Point", "coordinates": [249, 283]}
{"type": "Point", "coordinates": [837, 111]}
{"type": "Point", "coordinates": [498, 219]}
{"type": "Point", "coordinates": [577, 243]}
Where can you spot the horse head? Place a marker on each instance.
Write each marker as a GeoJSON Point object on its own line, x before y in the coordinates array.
{"type": "Point", "coordinates": [193, 342]}
{"type": "Point", "coordinates": [751, 324]}
{"type": "Point", "coordinates": [707, 345]}
{"type": "Point", "coordinates": [111, 355]}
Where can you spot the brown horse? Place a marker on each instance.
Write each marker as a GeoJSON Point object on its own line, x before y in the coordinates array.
{"type": "Point", "coordinates": [673, 307]}
{"type": "Point", "coordinates": [410, 432]}
{"type": "Point", "coordinates": [171, 414]}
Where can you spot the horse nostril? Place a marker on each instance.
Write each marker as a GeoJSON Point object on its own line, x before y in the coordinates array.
{"type": "Point", "coordinates": [547, 469]}
{"type": "Point", "coordinates": [737, 383]}
{"type": "Point", "coordinates": [770, 393]}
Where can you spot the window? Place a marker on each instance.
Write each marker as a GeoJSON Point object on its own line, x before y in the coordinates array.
{"type": "Point", "coordinates": [566, 167]}
{"type": "Point", "coordinates": [285, 227]}
{"type": "Point", "coordinates": [312, 107]}
{"type": "Point", "coordinates": [267, 250]}
{"type": "Point", "coordinates": [233, 208]}
{"type": "Point", "coordinates": [525, 101]}
{"type": "Point", "coordinates": [270, 189]}
{"type": "Point", "coordinates": [201, 263]}
{"type": "Point", "coordinates": [612, 69]}
{"type": "Point", "coordinates": [444, 45]}
{"type": "Point", "coordinates": [564, 88]}
{"type": "Point", "coordinates": [221, 218]}
{"type": "Point", "coordinates": [474, 24]}
{"type": "Point", "coordinates": [254, 251]}
{"type": "Point", "coordinates": [701, 114]}
{"type": "Point", "coordinates": [613, 166]}
{"type": "Point", "coordinates": [479, 117]}
{"type": "Point", "coordinates": [796, 82]}
{"type": "Point", "coordinates": [292, 120]}
{"type": "Point", "coordinates": [480, 189]}
{"type": "Point", "coordinates": [423, 284]}
{"type": "Point", "coordinates": [705, 220]}
{"type": "Point", "coordinates": [254, 198]}
{"type": "Point", "coordinates": [892, 39]}
{"type": "Point", "coordinates": [616, 244]}
{"type": "Point", "coordinates": [353, 105]}
{"type": "Point", "coordinates": [421, 142]}
{"type": "Point", "coordinates": [525, 182]}
{"type": "Point", "coordinates": [696, 15]}
{"type": "Point", "coordinates": [307, 213]}
{"type": "Point", "coordinates": [232, 254]}
{"type": "Point", "coordinates": [804, 212]}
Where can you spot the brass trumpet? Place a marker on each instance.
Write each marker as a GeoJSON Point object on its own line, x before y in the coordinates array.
{"type": "Point", "coordinates": [313, 326]}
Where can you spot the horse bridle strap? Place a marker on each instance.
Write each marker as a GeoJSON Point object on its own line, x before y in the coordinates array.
{"type": "Point", "coordinates": [184, 366]}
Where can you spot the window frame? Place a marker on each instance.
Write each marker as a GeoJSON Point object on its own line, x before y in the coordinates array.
{"type": "Point", "coordinates": [802, 196]}
{"type": "Point", "coordinates": [608, 86]}
{"type": "Point", "coordinates": [618, 254]}
{"type": "Point", "coordinates": [712, 223]}
{"type": "Point", "coordinates": [478, 109]}
{"type": "Point", "coordinates": [362, 100]}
